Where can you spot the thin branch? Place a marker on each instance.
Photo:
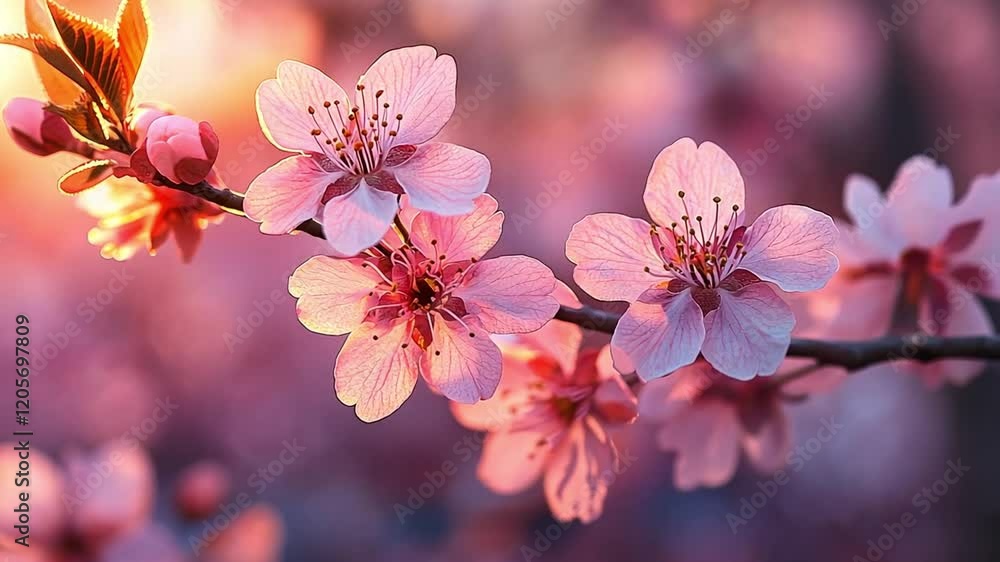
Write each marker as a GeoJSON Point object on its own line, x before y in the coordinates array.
{"type": "Point", "coordinates": [231, 201]}
{"type": "Point", "coordinates": [851, 355]}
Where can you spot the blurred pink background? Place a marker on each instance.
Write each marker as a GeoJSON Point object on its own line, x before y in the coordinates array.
{"type": "Point", "coordinates": [571, 100]}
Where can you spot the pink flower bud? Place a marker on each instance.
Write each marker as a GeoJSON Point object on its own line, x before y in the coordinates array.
{"type": "Point", "coordinates": [143, 116]}
{"type": "Point", "coordinates": [38, 131]}
{"type": "Point", "coordinates": [180, 149]}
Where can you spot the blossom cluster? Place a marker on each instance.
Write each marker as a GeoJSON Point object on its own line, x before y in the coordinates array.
{"type": "Point", "coordinates": [127, 150]}
{"type": "Point", "coordinates": [714, 294]}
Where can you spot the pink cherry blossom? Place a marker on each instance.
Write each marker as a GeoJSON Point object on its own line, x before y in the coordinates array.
{"type": "Point", "coordinates": [697, 279]}
{"type": "Point", "coordinates": [926, 256]}
{"type": "Point", "coordinates": [707, 419]}
{"type": "Point", "coordinates": [552, 423]}
{"type": "Point", "coordinates": [357, 153]}
{"type": "Point", "coordinates": [124, 499]}
{"type": "Point", "coordinates": [425, 308]}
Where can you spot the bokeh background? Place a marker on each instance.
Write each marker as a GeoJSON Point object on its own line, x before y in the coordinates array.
{"type": "Point", "coordinates": [571, 100]}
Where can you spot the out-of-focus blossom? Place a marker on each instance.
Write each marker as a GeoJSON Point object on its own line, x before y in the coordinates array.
{"type": "Point", "coordinates": [358, 153]}
{"type": "Point", "coordinates": [39, 131]}
{"type": "Point", "coordinates": [707, 419]}
{"type": "Point", "coordinates": [201, 488]}
{"type": "Point", "coordinates": [698, 280]}
{"type": "Point", "coordinates": [914, 244]}
{"type": "Point", "coordinates": [110, 491]}
{"type": "Point", "coordinates": [257, 535]}
{"type": "Point", "coordinates": [180, 149]}
{"type": "Point", "coordinates": [546, 421]}
{"type": "Point", "coordinates": [427, 307]}
{"type": "Point", "coordinates": [151, 543]}
{"type": "Point", "coordinates": [133, 216]}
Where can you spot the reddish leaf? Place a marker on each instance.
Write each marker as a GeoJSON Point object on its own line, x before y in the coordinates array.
{"type": "Point", "coordinates": [94, 48]}
{"type": "Point", "coordinates": [132, 31]}
{"type": "Point", "coordinates": [52, 53]}
{"type": "Point", "coordinates": [85, 118]}
{"type": "Point", "coordinates": [61, 89]}
{"type": "Point", "coordinates": [85, 176]}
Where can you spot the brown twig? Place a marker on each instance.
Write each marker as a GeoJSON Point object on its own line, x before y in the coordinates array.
{"type": "Point", "coordinates": [851, 355]}
{"type": "Point", "coordinates": [232, 202]}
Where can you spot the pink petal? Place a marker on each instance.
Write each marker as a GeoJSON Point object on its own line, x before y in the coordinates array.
{"type": "Point", "coordinates": [484, 415]}
{"type": "Point", "coordinates": [921, 190]}
{"type": "Point", "coordinates": [613, 399]}
{"type": "Point", "coordinates": [579, 472]}
{"type": "Point", "coordinates": [664, 398]}
{"type": "Point", "coordinates": [858, 315]}
{"type": "Point", "coordinates": [334, 294]}
{"type": "Point", "coordinates": [458, 238]}
{"type": "Point", "coordinates": [513, 458]}
{"type": "Point", "coordinates": [816, 382]}
{"type": "Point", "coordinates": [509, 294]}
{"type": "Point", "coordinates": [966, 317]}
{"type": "Point", "coordinates": [767, 447]}
{"type": "Point", "coordinates": [874, 223]}
{"type": "Point", "coordinates": [502, 409]}
{"type": "Point", "coordinates": [283, 105]}
{"type": "Point", "coordinates": [790, 246]}
{"type": "Point", "coordinates": [658, 339]}
{"type": "Point", "coordinates": [702, 173]}
{"type": "Point", "coordinates": [558, 340]}
{"type": "Point", "coordinates": [612, 254]}
{"type": "Point", "coordinates": [287, 194]}
{"type": "Point", "coordinates": [358, 220]}
{"type": "Point", "coordinates": [982, 202]}
{"type": "Point", "coordinates": [749, 333]}
{"type": "Point", "coordinates": [374, 372]}
{"type": "Point", "coordinates": [707, 441]}
{"type": "Point", "coordinates": [856, 250]}
{"type": "Point", "coordinates": [418, 84]}
{"type": "Point", "coordinates": [605, 364]}
{"type": "Point", "coordinates": [444, 178]}
{"type": "Point", "coordinates": [462, 363]}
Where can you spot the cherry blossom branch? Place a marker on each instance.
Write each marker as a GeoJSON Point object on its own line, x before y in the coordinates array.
{"type": "Point", "coordinates": [851, 355]}
{"type": "Point", "coordinates": [231, 201]}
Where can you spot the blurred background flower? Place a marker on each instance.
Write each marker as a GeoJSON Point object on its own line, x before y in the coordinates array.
{"type": "Point", "coordinates": [571, 100]}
